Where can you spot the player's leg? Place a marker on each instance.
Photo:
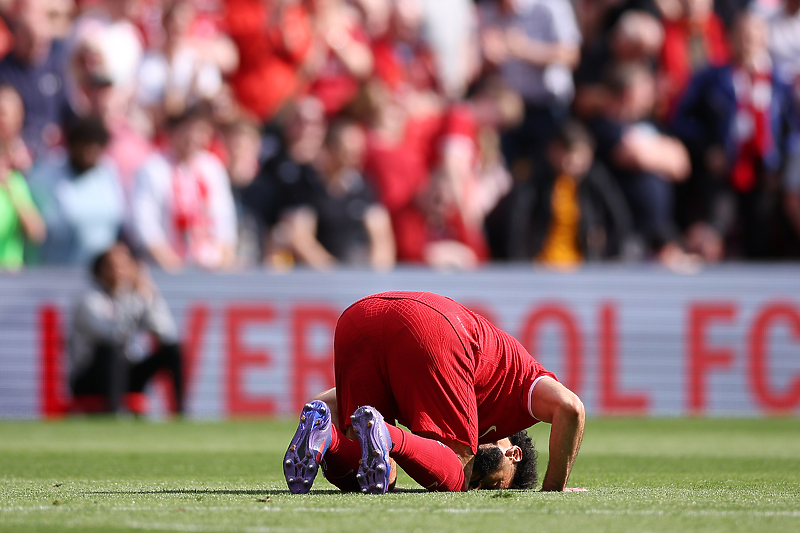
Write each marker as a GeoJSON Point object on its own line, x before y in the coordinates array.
{"type": "Point", "coordinates": [377, 356]}
{"type": "Point", "coordinates": [431, 377]}
{"type": "Point", "coordinates": [308, 446]}
{"type": "Point", "coordinates": [359, 381]}
{"type": "Point", "coordinates": [341, 462]}
{"type": "Point", "coordinates": [317, 442]}
{"type": "Point", "coordinates": [374, 467]}
{"type": "Point", "coordinates": [429, 462]}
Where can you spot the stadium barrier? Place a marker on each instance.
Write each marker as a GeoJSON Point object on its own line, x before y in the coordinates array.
{"type": "Point", "coordinates": [628, 340]}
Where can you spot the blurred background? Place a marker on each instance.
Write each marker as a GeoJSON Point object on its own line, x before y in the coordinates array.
{"type": "Point", "coordinates": [615, 182]}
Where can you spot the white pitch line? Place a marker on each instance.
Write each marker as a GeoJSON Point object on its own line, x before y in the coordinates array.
{"type": "Point", "coordinates": [202, 528]}
{"type": "Point", "coordinates": [215, 508]}
{"type": "Point", "coordinates": [149, 508]}
{"type": "Point", "coordinates": [447, 510]}
{"type": "Point", "coordinates": [32, 508]}
{"type": "Point", "coordinates": [614, 512]}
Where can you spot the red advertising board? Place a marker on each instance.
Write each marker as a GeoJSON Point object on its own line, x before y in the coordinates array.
{"type": "Point", "coordinates": [644, 342]}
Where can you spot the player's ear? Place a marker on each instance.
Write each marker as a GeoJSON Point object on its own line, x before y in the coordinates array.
{"type": "Point", "coordinates": [515, 453]}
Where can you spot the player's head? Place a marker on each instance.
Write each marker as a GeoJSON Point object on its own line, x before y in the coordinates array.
{"type": "Point", "coordinates": [507, 464]}
{"type": "Point", "coordinates": [526, 475]}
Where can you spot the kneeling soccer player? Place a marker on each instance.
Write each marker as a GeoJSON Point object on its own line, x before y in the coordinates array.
{"type": "Point", "coordinates": [465, 389]}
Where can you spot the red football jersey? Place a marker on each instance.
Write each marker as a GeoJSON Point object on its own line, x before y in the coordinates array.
{"type": "Point", "coordinates": [435, 366]}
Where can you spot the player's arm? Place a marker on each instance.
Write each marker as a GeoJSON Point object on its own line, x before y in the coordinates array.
{"type": "Point", "coordinates": [466, 457]}
{"type": "Point", "coordinates": [552, 402]}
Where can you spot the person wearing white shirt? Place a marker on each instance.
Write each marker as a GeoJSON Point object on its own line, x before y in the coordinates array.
{"type": "Point", "coordinates": [183, 210]}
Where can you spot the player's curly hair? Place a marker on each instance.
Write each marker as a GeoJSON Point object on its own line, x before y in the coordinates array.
{"type": "Point", "coordinates": [526, 476]}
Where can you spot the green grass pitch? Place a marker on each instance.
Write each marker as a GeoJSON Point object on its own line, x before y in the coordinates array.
{"type": "Point", "coordinates": [642, 475]}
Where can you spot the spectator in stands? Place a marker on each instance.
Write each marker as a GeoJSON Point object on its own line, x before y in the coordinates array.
{"type": "Point", "coordinates": [784, 46]}
{"type": "Point", "coordinates": [645, 161]}
{"type": "Point", "coordinates": [184, 71]}
{"type": "Point", "coordinates": [791, 199]}
{"type": "Point", "coordinates": [337, 219]}
{"type": "Point", "coordinates": [60, 14]}
{"type": "Point", "coordinates": [35, 68]}
{"type": "Point", "coordinates": [695, 39]}
{"type": "Point", "coordinates": [597, 18]}
{"type": "Point", "coordinates": [6, 37]}
{"type": "Point", "coordinates": [376, 15]}
{"type": "Point", "coordinates": [536, 46]}
{"type": "Point", "coordinates": [19, 218]}
{"type": "Point", "coordinates": [427, 147]}
{"type": "Point", "coordinates": [286, 165]}
{"type": "Point", "coordinates": [735, 119]}
{"type": "Point", "coordinates": [400, 148]}
{"type": "Point", "coordinates": [242, 145]}
{"type": "Point", "coordinates": [12, 117]}
{"type": "Point", "coordinates": [470, 173]}
{"type": "Point", "coordinates": [403, 60]}
{"type": "Point", "coordinates": [128, 147]}
{"type": "Point", "coordinates": [341, 57]}
{"type": "Point", "coordinates": [105, 48]}
{"type": "Point", "coordinates": [784, 41]}
{"type": "Point", "coordinates": [445, 239]}
{"type": "Point", "coordinates": [183, 212]}
{"type": "Point", "coordinates": [106, 362]}
{"type": "Point", "coordinates": [573, 211]}
{"type": "Point", "coordinates": [637, 37]}
{"type": "Point", "coordinates": [79, 196]}
{"type": "Point", "coordinates": [728, 10]}
{"type": "Point", "coordinates": [105, 41]}
{"type": "Point", "coordinates": [273, 38]}
{"type": "Point", "coordinates": [439, 220]}
{"type": "Point", "coordinates": [451, 29]}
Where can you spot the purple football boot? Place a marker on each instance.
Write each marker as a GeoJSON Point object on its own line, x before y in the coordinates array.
{"type": "Point", "coordinates": [373, 470]}
{"type": "Point", "coordinates": [309, 444]}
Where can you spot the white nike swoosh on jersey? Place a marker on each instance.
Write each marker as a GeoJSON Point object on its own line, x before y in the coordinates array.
{"type": "Point", "coordinates": [435, 484]}
{"type": "Point", "coordinates": [493, 428]}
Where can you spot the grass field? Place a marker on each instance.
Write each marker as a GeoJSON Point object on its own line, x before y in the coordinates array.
{"type": "Point", "coordinates": [680, 475]}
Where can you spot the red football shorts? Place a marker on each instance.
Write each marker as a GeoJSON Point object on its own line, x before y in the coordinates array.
{"type": "Point", "coordinates": [405, 359]}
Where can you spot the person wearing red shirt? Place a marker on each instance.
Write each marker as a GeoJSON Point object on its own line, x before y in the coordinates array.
{"type": "Point", "coordinates": [274, 39]}
{"type": "Point", "coordinates": [692, 42]}
{"type": "Point", "coordinates": [466, 390]}
{"type": "Point", "coordinates": [443, 224]}
{"type": "Point", "coordinates": [403, 60]}
{"type": "Point", "coordinates": [400, 148]}
{"type": "Point", "coordinates": [340, 59]}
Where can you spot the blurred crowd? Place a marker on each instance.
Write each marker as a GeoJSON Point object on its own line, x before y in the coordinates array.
{"type": "Point", "coordinates": [277, 133]}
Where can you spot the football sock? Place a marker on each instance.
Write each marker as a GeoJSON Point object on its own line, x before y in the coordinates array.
{"type": "Point", "coordinates": [341, 461]}
{"type": "Point", "coordinates": [429, 462]}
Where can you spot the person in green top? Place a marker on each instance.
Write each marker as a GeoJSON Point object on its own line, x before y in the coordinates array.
{"type": "Point", "coordinates": [19, 218]}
